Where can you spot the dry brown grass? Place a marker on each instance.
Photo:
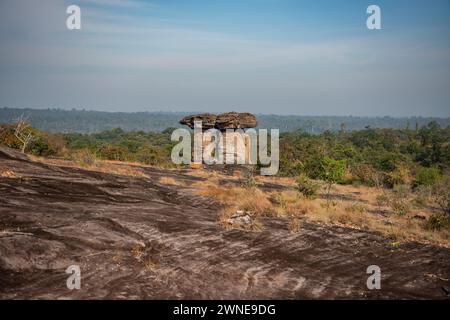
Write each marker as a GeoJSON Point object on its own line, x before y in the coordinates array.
{"type": "Point", "coordinates": [120, 170]}
{"type": "Point", "coordinates": [171, 181]}
{"type": "Point", "coordinates": [295, 225]}
{"type": "Point", "coordinates": [357, 208]}
{"type": "Point", "coordinates": [253, 200]}
{"type": "Point", "coordinates": [9, 174]}
{"type": "Point", "coordinates": [226, 213]}
{"type": "Point", "coordinates": [105, 166]}
{"type": "Point", "coordinates": [234, 198]}
{"type": "Point", "coordinates": [284, 181]}
{"type": "Point", "coordinates": [290, 203]}
{"type": "Point", "coordinates": [200, 173]}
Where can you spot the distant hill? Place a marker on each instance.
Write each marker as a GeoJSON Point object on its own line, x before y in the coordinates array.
{"type": "Point", "coordinates": [83, 121]}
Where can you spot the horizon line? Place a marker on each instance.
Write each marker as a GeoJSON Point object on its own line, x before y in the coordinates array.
{"type": "Point", "coordinates": [199, 111]}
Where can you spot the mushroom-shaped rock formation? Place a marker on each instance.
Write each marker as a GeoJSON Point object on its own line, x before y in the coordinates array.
{"type": "Point", "coordinates": [208, 120]}
{"type": "Point", "coordinates": [235, 120]}
{"type": "Point", "coordinates": [229, 120]}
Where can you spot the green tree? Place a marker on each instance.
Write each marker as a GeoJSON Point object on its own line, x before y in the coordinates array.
{"type": "Point", "coordinates": [306, 186]}
{"type": "Point", "coordinates": [331, 171]}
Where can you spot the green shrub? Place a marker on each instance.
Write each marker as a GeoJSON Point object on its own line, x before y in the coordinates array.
{"type": "Point", "coordinates": [307, 187]}
{"type": "Point", "coordinates": [39, 146]}
{"type": "Point", "coordinates": [331, 171]}
{"type": "Point", "coordinates": [248, 182]}
{"type": "Point", "coordinates": [427, 177]}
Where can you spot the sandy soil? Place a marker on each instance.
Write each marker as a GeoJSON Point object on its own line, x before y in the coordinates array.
{"type": "Point", "coordinates": [135, 238]}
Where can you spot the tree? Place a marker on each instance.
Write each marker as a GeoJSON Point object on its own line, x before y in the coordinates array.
{"type": "Point", "coordinates": [331, 171]}
{"type": "Point", "coordinates": [427, 177]}
{"type": "Point", "coordinates": [441, 195]}
{"type": "Point", "coordinates": [306, 186]}
{"type": "Point", "coordinates": [23, 133]}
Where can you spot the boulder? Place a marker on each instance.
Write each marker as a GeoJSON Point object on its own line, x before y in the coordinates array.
{"type": "Point", "coordinates": [240, 219]}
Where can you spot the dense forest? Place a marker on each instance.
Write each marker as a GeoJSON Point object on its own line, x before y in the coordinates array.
{"type": "Point", "coordinates": [372, 156]}
{"type": "Point", "coordinates": [82, 121]}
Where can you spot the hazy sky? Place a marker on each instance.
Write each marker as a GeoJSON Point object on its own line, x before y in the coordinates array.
{"type": "Point", "coordinates": [264, 56]}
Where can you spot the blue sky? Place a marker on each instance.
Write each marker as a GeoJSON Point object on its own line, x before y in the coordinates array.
{"type": "Point", "coordinates": [263, 56]}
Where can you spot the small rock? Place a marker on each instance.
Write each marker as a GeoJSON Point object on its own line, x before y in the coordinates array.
{"type": "Point", "coordinates": [240, 218]}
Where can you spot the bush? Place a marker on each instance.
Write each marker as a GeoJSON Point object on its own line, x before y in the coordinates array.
{"type": "Point", "coordinates": [153, 155]}
{"type": "Point", "coordinates": [307, 187]}
{"type": "Point", "coordinates": [331, 171]}
{"type": "Point", "coordinates": [83, 157]}
{"type": "Point", "coordinates": [441, 195]}
{"type": "Point", "coordinates": [427, 177]}
{"type": "Point", "coordinates": [56, 142]}
{"type": "Point", "coordinates": [423, 195]}
{"type": "Point", "coordinates": [111, 152]}
{"type": "Point", "coordinates": [398, 200]}
{"type": "Point", "coordinates": [399, 176]}
{"type": "Point", "coordinates": [399, 206]}
{"type": "Point", "coordinates": [366, 174]}
{"type": "Point", "coordinates": [7, 137]}
{"type": "Point", "coordinates": [438, 222]}
{"type": "Point", "coordinates": [356, 208]}
{"type": "Point", "coordinates": [42, 144]}
{"type": "Point", "coordinates": [247, 181]}
{"type": "Point", "coordinates": [40, 147]}
{"type": "Point", "coordinates": [382, 200]}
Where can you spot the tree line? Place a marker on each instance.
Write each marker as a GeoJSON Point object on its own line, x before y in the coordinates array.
{"type": "Point", "coordinates": [83, 121]}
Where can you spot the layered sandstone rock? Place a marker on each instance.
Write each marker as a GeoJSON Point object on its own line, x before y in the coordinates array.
{"type": "Point", "coordinates": [208, 120]}
{"type": "Point", "coordinates": [229, 120]}
{"type": "Point", "coordinates": [235, 120]}
{"type": "Point", "coordinates": [232, 121]}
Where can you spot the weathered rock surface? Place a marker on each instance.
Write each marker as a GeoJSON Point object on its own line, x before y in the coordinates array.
{"type": "Point", "coordinates": [229, 120]}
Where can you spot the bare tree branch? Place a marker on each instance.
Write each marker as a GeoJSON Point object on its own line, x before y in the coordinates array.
{"type": "Point", "coordinates": [23, 132]}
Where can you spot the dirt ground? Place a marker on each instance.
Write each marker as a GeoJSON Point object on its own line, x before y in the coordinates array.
{"type": "Point", "coordinates": [135, 238]}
